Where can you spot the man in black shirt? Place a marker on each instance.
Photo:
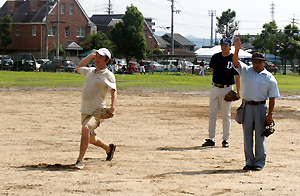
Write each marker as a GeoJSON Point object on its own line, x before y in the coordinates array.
{"type": "Point", "coordinates": [223, 80]}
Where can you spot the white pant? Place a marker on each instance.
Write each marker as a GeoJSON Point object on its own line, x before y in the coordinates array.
{"type": "Point", "coordinates": [216, 104]}
{"type": "Point", "coordinates": [142, 69]}
{"type": "Point", "coordinates": [201, 71]}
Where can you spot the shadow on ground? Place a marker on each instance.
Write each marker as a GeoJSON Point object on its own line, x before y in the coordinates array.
{"type": "Point", "coordinates": [219, 171]}
{"type": "Point", "coordinates": [185, 148]}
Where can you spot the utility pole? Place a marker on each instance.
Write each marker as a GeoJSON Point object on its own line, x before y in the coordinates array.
{"type": "Point", "coordinates": [272, 11]}
{"type": "Point", "coordinates": [216, 36]}
{"type": "Point", "coordinates": [46, 36]}
{"type": "Point", "coordinates": [211, 13]}
{"type": "Point", "coordinates": [172, 26]}
{"type": "Point", "coordinates": [109, 9]}
{"type": "Point", "coordinates": [294, 21]}
{"type": "Point", "coordinates": [57, 30]}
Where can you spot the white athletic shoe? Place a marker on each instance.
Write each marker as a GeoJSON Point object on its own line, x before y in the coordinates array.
{"type": "Point", "coordinates": [79, 165]}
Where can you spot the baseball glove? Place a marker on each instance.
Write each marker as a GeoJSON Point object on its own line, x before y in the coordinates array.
{"type": "Point", "coordinates": [269, 128]}
{"type": "Point", "coordinates": [231, 96]}
{"type": "Point", "coordinates": [103, 113]}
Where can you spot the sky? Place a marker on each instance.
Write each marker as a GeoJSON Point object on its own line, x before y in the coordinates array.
{"type": "Point", "coordinates": [193, 18]}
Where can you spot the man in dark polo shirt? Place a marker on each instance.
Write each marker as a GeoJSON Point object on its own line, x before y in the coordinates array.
{"type": "Point", "coordinates": [223, 80]}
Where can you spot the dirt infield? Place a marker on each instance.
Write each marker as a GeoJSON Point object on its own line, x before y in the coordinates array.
{"type": "Point", "coordinates": [158, 138]}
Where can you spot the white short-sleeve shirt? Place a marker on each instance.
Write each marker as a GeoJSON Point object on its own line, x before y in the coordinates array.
{"type": "Point", "coordinates": [95, 88]}
{"type": "Point", "coordinates": [257, 86]}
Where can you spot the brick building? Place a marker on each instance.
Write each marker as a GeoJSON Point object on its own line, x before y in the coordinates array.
{"type": "Point", "coordinates": [29, 24]}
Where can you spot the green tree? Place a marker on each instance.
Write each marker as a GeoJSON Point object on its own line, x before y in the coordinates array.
{"type": "Point", "coordinates": [290, 43]}
{"type": "Point", "coordinates": [286, 42]}
{"type": "Point", "coordinates": [62, 50]}
{"type": "Point", "coordinates": [226, 24]}
{"type": "Point", "coordinates": [266, 41]}
{"type": "Point", "coordinates": [5, 31]}
{"type": "Point", "coordinates": [158, 52]}
{"type": "Point", "coordinates": [96, 41]}
{"type": "Point", "coordinates": [244, 38]}
{"type": "Point", "coordinates": [128, 35]}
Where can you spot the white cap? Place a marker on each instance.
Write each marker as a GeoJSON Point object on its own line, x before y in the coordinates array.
{"type": "Point", "coordinates": [104, 52]}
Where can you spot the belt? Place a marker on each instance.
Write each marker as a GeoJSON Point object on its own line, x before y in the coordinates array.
{"type": "Point", "coordinates": [255, 102]}
{"type": "Point", "coordinates": [221, 85]}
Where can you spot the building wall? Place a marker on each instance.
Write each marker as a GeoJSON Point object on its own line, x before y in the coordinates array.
{"type": "Point", "coordinates": [77, 20]}
{"type": "Point", "coordinates": [26, 42]}
{"type": "Point", "coordinates": [149, 37]}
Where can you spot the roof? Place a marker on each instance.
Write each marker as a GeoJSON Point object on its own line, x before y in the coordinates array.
{"type": "Point", "coordinates": [181, 53]}
{"type": "Point", "coordinates": [180, 39]}
{"type": "Point", "coordinates": [71, 45]}
{"type": "Point", "coordinates": [103, 20]}
{"type": "Point", "coordinates": [24, 15]}
{"type": "Point", "coordinates": [161, 42]}
{"type": "Point", "coordinates": [114, 21]}
{"type": "Point", "coordinates": [86, 53]}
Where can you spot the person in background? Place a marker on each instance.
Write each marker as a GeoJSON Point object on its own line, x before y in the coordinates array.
{"type": "Point", "coordinates": [201, 73]}
{"type": "Point", "coordinates": [223, 80]}
{"type": "Point", "coordinates": [258, 85]}
{"type": "Point", "coordinates": [142, 67]}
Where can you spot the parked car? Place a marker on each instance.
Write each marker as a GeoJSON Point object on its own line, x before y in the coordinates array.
{"type": "Point", "coordinates": [196, 66]}
{"type": "Point", "coordinates": [24, 62]}
{"type": "Point", "coordinates": [134, 66]}
{"type": "Point", "coordinates": [190, 66]}
{"type": "Point", "coordinates": [42, 61]}
{"type": "Point", "coordinates": [58, 65]}
{"type": "Point", "coordinates": [39, 62]}
{"type": "Point", "coordinates": [119, 64]}
{"type": "Point", "coordinates": [6, 63]}
{"type": "Point", "coordinates": [271, 67]}
{"type": "Point", "coordinates": [169, 65]}
{"type": "Point", "coordinates": [152, 66]}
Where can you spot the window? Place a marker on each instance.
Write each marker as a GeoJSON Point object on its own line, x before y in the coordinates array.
{"type": "Point", "coordinates": [51, 30]}
{"type": "Point", "coordinates": [33, 6]}
{"type": "Point", "coordinates": [71, 8]}
{"type": "Point", "coordinates": [63, 8]}
{"type": "Point", "coordinates": [11, 6]}
{"type": "Point", "coordinates": [80, 32]}
{"type": "Point", "coordinates": [145, 33]}
{"type": "Point", "coordinates": [67, 31]}
{"type": "Point", "coordinates": [34, 30]}
{"type": "Point", "coordinates": [17, 31]}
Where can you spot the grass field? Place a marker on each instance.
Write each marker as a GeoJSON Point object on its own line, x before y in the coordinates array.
{"type": "Point", "coordinates": [158, 81]}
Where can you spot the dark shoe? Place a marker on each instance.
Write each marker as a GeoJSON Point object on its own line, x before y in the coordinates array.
{"type": "Point", "coordinates": [257, 168]}
{"type": "Point", "coordinates": [248, 167]}
{"type": "Point", "coordinates": [225, 144]}
{"type": "Point", "coordinates": [110, 155]}
{"type": "Point", "coordinates": [208, 143]}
